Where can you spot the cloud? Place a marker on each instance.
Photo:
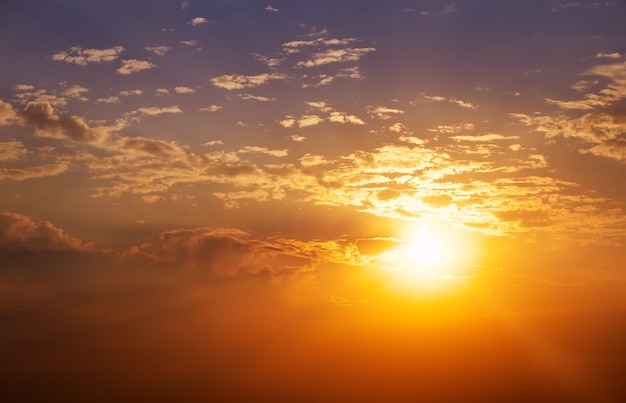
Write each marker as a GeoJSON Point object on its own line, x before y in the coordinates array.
{"type": "Point", "coordinates": [604, 55]}
{"type": "Point", "coordinates": [41, 116]}
{"type": "Point", "coordinates": [191, 43]}
{"type": "Point", "coordinates": [184, 90]}
{"type": "Point", "coordinates": [383, 112]}
{"type": "Point", "coordinates": [155, 110]}
{"type": "Point", "coordinates": [255, 98]}
{"type": "Point", "coordinates": [335, 56]}
{"type": "Point", "coordinates": [309, 120]}
{"type": "Point", "coordinates": [76, 92]}
{"type": "Point", "coordinates": [484, 137]}
{"type": "Point", "coordinates": [131, 66]}
{"type": "Point", "coordinates": [7, 113]}
{"type": "Point", "coordinates": [297, 138]}
{"type": "Point", "coordinates": [210, 108]}
{"type": "Point", "coordinates": [142, 145]}
{"type": "Point", "coordinates": [12, 150]}
{"type": "Point", "coordinates": [41, 171]}
{"type": "Point", "coordinates": [298, 46]}
{"type": "Point", "coordinates": [198, 21]}
{"type": "Point", "coordinates": [23, 87]}
{"type": "Point", "coordinates": [271, 9]}
{"type": "Point", "coordinates": [237, 81]}
{"type": "Point", "coordinates": [108, 100]}
{"type": "Point", "coordinates": [598, 119]}
{"type": "Point", "coordinates": [340, 117]}
{"type": "Point", "coordinates": [159, 50]}
{"type": "Point", "coordinates": [264, 150]}
{"type": "Point", "coordinates": [449, 129]}
{"type": "Point", "coordinates": [184, 5]}
{"type": "Point", "coordinates": [83, 57]}
{"type": "Point", "coordinates": [19, 232]}
{"type": "Point", "coordinates": [439, 98]}
{"type": "Point", "coordinates": [127, 93]}
{"type": "Point", "coordinates": [612, 148]}
{"type": "Point", "coordinates": [287, 122]}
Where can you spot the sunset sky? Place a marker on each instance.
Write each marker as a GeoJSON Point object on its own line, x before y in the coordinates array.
{"type": "Point", "coordinates": [220, 197]}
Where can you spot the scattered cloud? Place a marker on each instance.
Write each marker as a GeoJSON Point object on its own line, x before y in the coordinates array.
{"type": "Point", "coordinates": [184, 90]}
{"type": "Point", "coordinates": [383, 112]}
{"type": "Point", "coordinates": [159, 50]}
{"type": "Point", "coordinates": [83, 57]}
{"type": "Point", "coordinates": [19, 232]}
{"type": "Point", "coordinates": [155, 110]}
{"type": "Point", "coordinates": [41, 116]}
{"type": "Point", "coordinates": [255, 98]}
{"type": "Point", "coordinates": [198, 21]}
{"type": "Point", "coordinates": [134, 66]}
{"type": "Point", "coordinates": [297, 138]}
{"type": "Point", "coordinates": [108, 100]}
{"type": "Point", "coordinates": [439, 98]}
{"type": "Point", "coordinates": [211, 108]}
{"type": "Point", "coordinates": [127, 93]}
{"type": "Point", "coordinates": [271, 9]}
{"type": "Point", "coordinates": [264, 150]}
{"type": "Point", "coordinates": [238, 81]}
{"type": "Point", "coordinates": [335, 56]}
{"type": "Point", "coordinates": [484, 137]}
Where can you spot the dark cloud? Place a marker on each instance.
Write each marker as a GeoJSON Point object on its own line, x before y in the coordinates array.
{"type": "Point", "coordinates": [42, 117]}
{"type": "Point", "coordinates": [19, 232]}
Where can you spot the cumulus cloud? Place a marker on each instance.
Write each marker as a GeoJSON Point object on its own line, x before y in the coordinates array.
{"type": "Point", "coordinates": [131, 66]}
{"type": "Point", "coordinates": [19, 232]}
{"type": "Point", "coordinates": [271, 9]}
{"type": "Point", "coordinates": [83, 57]}
{"type": "Point", "coordinates": [42, 117]}
{"type": "Point", "coordinates": [237, 81]}
{"type": "Point", "coordinates": [7, 113]}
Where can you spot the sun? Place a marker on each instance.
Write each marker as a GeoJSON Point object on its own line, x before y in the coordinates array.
{"type": "Point", "coordinates": [425, 250]}
{"type": "Point", "coordinates": [428, 258]}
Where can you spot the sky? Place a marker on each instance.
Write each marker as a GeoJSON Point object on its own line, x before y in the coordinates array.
{"type": "Point", "coordinates": [293, 200]}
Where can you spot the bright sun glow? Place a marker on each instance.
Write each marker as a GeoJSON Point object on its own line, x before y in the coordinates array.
{"type": "Point", "coordinates": [429, 258]}
{"type": "Point", "coordinates": [425, 249]}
